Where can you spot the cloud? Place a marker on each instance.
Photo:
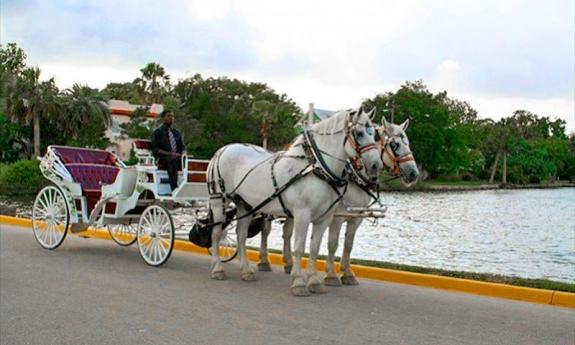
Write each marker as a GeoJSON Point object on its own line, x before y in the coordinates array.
{"type": "Point", "coordinates": [332, 53]}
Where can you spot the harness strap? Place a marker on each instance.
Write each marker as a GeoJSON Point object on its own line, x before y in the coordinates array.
{"type": "Point", "coordinates": [312, 152]}
{"type": "Point", "coordinates": [275, 184]}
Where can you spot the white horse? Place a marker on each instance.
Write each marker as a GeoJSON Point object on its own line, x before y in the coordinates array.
{"type": "Point", "coordinates": [396, 155]}
{"type": "Point", "coordinates": [305, 182]}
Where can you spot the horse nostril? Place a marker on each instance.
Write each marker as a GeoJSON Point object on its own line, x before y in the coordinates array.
{"type": "Point", "coordinates": [374, 167]}
{"type": "Point", "coordinates": [413, 174]}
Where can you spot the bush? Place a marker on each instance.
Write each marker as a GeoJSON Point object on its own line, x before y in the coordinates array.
{"type": "Point", "coordinates": [21, 178]}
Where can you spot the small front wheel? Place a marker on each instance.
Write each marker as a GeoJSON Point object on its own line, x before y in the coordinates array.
{"type": "Point", "coordinates": [123, 234]}
{"type": "Point", "coordinates": [50, 217]}
{"type": "Point", "coordinates": [155, 235]}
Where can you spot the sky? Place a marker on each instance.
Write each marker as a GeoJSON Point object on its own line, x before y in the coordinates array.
{"type": "Point", "coordinates": [499, 56]}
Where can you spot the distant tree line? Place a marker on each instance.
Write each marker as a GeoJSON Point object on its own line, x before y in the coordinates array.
{"type": "Point", "coordinates": [448, 139]}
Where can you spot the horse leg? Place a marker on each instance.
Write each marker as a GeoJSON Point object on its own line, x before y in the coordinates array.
{"type": "Point", "coordinates": [315, 283]}
{"type": "Point", "coordinates": [331, 278]}
{"type": "Point", "coordinates": [348, 278]}
{"type": "Point", "coordinates": [301, 223]}
{"type": "Point", "coordinates": [246, 272]}
{"type": "Point", "coordinates": [264, 264]}
{"type": "Point", "coordinates": [287, 233]}
{"type": "Point", "coordinates": [217, 206]}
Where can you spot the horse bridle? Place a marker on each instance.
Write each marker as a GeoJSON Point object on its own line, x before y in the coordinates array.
{"type": "Point", "coordinates": [395, 160]}
{"type": "Point", "coordinates": [359, 150]}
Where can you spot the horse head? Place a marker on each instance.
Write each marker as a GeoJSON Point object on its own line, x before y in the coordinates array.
{"type": "Point", "coordinates": [361, 144]}
{"type": "Point", "coordinates": [395, 151]}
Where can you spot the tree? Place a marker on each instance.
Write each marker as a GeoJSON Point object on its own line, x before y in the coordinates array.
{"type": "Point", "coordinates": [124, 91]}
{"type": "Point", "coordinates": [154, 83]}
{"type": "Point", "coordinates": [85, 117]}
{"type": "Point", "coordinates": [33, 100]}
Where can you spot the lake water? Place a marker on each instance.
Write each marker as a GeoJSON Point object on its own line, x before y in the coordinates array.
{"type": "Point", "coordinates": [524, 233]}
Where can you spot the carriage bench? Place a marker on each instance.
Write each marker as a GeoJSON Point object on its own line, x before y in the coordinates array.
{"type": "Point", "coordinates": [90, 168]}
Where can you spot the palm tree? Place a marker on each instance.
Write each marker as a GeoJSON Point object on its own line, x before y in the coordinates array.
{"type": "Point", "coordinates": [30, 99]}
{"type": "Point", "coordinates": [83, 106]}
{"type": "Point", "coordinates": [154, 82]}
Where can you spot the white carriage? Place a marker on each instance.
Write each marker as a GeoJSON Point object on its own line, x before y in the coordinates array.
{"type": "Point", "coordinates": [95, 188]}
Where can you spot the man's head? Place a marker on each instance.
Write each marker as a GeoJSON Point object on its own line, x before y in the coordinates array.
{"type": "Point", "coordinates": [167, 117]}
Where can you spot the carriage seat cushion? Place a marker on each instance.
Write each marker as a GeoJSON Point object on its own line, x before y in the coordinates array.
{"type": "Point", "coordinates": [92, 176]}
{"type": "Point", "coordinates": [142, 144]}
{"type": "Point", "coordinates": [73, 155]}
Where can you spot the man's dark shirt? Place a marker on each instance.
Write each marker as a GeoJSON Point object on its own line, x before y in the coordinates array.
{"type": "Point", "coordinates": [161, 141]}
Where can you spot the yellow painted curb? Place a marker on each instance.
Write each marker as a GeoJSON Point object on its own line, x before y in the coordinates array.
{"type": "Point", "coordinates": [564, 299]}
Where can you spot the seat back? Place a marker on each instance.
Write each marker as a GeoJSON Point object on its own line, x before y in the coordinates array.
{"type": "Point", "coordinates": [90, 168]}
{"type": "Point", "coordinates": [143, 150]}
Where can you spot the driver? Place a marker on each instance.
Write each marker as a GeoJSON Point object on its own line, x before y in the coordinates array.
{"type": "Point", "coordinates": [167, 146]}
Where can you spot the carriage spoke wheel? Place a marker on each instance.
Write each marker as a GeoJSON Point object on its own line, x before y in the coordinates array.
{"type": "Point", "coordinates": [228, 248]}
{"type": "Point", "coordinates": [50, 217]}
{"type": "Point", "coordinates": [123, 234]}
{"type": "Point", "coordinates": [155, 235]}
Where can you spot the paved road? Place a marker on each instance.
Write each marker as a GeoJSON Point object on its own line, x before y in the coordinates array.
{"type": "Point", "coordinates": [92, 291]}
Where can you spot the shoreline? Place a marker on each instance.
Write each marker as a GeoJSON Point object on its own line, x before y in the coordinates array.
{"type": "Point", "coordinates": [435, 187]}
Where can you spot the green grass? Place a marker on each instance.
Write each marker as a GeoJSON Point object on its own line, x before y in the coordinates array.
{"type": "Point", "coordinates": [485, 277]}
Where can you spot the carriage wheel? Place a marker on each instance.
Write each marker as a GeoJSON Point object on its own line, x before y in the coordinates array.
{"type": "Point", "coordinates": [123, 234]}
{"type": "Point", "coordinates": [155, 235]}
{"type": "Point", "coordinates": [228, 248]}
{"type": "Point", "coordinates": [50, 217]}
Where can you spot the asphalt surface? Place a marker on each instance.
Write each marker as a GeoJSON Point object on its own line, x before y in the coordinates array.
{"type": "Point", "coordinates": [92, 291]}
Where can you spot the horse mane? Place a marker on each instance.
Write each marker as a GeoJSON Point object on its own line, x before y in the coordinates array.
{"type": "Point", "coordinates": [331, 124]}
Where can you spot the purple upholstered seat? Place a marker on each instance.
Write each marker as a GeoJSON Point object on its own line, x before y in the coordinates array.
{"type": "Point", "coordinates": [92, 176]}
{"type": "Point", "coordinates": [90, 168]}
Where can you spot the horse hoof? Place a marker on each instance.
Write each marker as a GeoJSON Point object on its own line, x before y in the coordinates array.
{"type": "Point", "coordinates": [300, 291]}
{"type": "Point", "coordinates": [349, 280]}
{"type": "Point", "coordinates": [317, 288]}
{"type": "Point", "coordinates": [219, 275]}
{"type": "Point", "coordinates": [248, 276]}
{"type": "Point", "coordinates": [332, 281]}
{"type": "Point", "coordinates": [287, 269]}
{"type": "Point", "coordinates": [264, 267]}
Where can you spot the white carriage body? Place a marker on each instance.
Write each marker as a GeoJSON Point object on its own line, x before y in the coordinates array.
{"type": "Point", "coordinates": [97, 180]}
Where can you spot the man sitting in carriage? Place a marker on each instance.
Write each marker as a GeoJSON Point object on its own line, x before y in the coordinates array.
{"type": "Point", "coordinates": [167, 146]}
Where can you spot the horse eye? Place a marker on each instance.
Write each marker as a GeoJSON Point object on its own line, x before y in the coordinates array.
{"type": "Point", "coordinates": [394, 145]}
{"type": "Point", "coordinates": [369, 130]}
{"type": "Point", "coordinates": [359, 134]}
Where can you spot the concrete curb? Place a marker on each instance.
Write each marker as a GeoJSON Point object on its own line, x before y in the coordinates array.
{"type": "Point", "coordinates": [558, 298]}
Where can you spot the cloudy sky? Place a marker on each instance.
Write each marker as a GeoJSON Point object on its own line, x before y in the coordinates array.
{"type": "Point", "coordinates": [497, 55]}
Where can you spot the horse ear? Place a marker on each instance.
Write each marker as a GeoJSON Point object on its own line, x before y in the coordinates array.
{"type": "Point", "coordinates": [355, 115]}
{"type": "Point", "coordinates": [405, 125]}
{"type": "Point", "coordinates": [386, 125]}
{"type": "Point", "coordinates": [371, 114]}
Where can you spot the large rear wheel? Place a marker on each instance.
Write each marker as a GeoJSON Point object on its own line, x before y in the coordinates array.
{"type": "Point", "coordinates": [50, 217]}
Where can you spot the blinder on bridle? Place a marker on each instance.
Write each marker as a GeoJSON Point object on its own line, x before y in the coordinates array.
{"type": "Point", "coordinates": [390, 147]}
{"type": "Point", "coordinates": [352, 135]}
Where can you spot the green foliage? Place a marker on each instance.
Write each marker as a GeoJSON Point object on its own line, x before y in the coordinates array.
{"type": "Point", "coordinates": [21, 177]}
{"type": "Point", "coordinates": [123, 91]}
{"type": "Point", "coordinates": [447, 138]}
{"type": "Point", "coordinates": [218, 111]}
{"type": "Point", "coordinates": [140, 125]}
{"type": "Point", "coordinates": [13, 145]}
